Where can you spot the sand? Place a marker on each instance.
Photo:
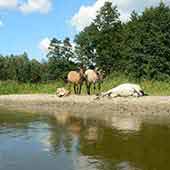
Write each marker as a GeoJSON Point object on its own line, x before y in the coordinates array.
{"type": "Point", "coordinates": [88, 106]}
{"type": "Point", "coordinates": [123, 113]}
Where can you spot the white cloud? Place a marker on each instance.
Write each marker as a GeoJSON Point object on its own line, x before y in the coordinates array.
{"type": "Point", "coordinates": [42, 6]}
{"type": "Point", "coordinates": [1, 24]}
{"type": "Point", "coordinates": [44, 44]}
{"type": "Point", "coordinates": [8, 3]}
{"type": "Point", "coordinates": [86, 14]}
{"type": "Point", "coordinates": [28, 6]}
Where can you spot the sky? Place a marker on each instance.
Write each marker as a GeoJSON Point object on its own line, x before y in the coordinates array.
{"type": "Point", "coordinates": [28, 25]}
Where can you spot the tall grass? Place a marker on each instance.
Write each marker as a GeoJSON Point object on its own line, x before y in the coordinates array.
{"type": "Point", "coordinates": [157, 88]}
{"type": "Point", "coordinates": [12, 87]}
{"type": "Point", "coordinates": [150, 87]}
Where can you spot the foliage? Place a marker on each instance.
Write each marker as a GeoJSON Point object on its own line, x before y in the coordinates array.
{"type": "Point", "coordinates": [60, 59]}
{"type": "Point", "coordinates": [13, 87]}
{"type": "Point", "coordinates": [99, 43]}
{"type": "Point", "coordinates": [20, 68]}
{"type": "Point", "coordinates": [138, 49]}
{"type": "Point", "coordinates": [147, 44]}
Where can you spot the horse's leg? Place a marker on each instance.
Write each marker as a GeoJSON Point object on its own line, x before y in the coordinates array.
{"type": "Point", "coordinates": [94, 87]}
{"type": "Point", "coordinates": [74, 88]}
{"type": "Point", "coordinates": [89, 88]}
{"type": "Point", "coordinates": [77, 89]}
{"type": "Point", "coordinates": [99, 86]}
{"type": "Point", "coordinates": [80, 88]}
{"type": "Point", "coordinates": [69, 87]}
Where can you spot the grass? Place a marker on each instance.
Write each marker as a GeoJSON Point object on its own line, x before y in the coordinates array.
{"type": "Point", "coordinates": [12, 87]}
{"type": "Point", "coordinates": [156, 88]}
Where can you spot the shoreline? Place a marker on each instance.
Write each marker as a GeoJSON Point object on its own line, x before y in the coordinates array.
{"type": "Point", "coordinates": [86, 106]}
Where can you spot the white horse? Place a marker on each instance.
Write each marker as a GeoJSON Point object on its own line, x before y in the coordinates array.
{"type": "Point", "coordinates": [93, 76]}
{"type": "Point", "coordinates": [124, 90]}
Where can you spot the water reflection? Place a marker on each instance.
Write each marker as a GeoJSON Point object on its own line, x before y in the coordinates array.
{"type": "Point", "coordinates": [62, 118]}
{"type": "Point", "coordinates": [125, 166]}
{"type": "Point", "coordinates": [126, 124]}
{"type": "Point", "coordinates": [76, 144]}
{"type": "Point", "coordinates": [92, 134]}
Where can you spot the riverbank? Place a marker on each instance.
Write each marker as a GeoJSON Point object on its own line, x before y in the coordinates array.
{"type": "Point", "coordinates": [88, 107]}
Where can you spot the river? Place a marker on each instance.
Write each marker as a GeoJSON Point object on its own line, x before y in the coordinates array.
{"type": "Point", "coordinates": [35, 141]}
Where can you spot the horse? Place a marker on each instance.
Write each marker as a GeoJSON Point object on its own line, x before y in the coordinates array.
{"type": "Point", "coordinates": [76, 78]}
{"type": "Point", "coordinates": [93, 76]}
{"type": "Point", "coordinates": [101, 76]}
{"type": "Point", "coordinates": [124, 90]}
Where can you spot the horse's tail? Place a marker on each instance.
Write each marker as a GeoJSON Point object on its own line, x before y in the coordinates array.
{"type": "Point", "coordinates": [144, 94]}
{"type": "Point", "coordinates": [65, 79]}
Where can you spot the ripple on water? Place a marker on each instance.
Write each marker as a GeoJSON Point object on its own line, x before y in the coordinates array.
{"type": "Point", "coordinates": [125, 143]}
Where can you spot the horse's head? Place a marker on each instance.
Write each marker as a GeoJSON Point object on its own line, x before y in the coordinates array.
{"type": "Point", "coordinates": [101, 73]}
{"type": "Point", "coordinates": [82, 72]}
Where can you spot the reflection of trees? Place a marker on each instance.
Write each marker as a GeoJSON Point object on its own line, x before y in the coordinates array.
{"type": "Point", "coordinates": [60, 138]}
{"type": "Point", "coordinates": [126, 123]}
{"type": "Point", "coordinates": [16, 122]}
{"type": "Point", "coordinates": [147, 149]}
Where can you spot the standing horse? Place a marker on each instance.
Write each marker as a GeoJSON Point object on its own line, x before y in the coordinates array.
{"type": "Point", "coordinates": [101, 75]}
{"type": "Point", "coordinates": [93, 77]}
{"type": "Point", "coordinates": [76, 78]}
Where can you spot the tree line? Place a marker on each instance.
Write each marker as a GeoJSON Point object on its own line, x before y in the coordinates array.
{"type": "Point", "coordinates": [139, 48]}
{"type": "Point", "coordinates": [22, 69]}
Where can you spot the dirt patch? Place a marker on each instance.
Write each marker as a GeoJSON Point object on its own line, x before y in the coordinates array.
{"type": "Point", "coordinates": [87, 105]}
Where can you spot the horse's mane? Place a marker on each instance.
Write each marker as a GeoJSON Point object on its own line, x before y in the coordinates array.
{"type": "Point", "coordinates": [77, 70]}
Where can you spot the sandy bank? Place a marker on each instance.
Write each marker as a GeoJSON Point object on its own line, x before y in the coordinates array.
{"type": "Point", "coordinates": [86, 106]}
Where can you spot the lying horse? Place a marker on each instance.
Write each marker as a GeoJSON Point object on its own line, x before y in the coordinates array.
{"type": "Point", "coordinates": [124, 90]}
{"type": "Point", "coordinates": [61, 92]}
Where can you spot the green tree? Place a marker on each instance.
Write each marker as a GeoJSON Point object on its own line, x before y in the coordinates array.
{"type": "Point", "coordinates": [36, 72]}
{"type": "Point", "coordinates": [2, 68]}
{"type": "Point", "coordinates": [100, 42]}
{"type": "Point", "coordinates": [60, 59]}
{"type": "Point", "coordinates": [23, 68]}
{"type": "Point", "coordinates": [147, 44]}
{"type": "Point", "coordinates": [86, 45]}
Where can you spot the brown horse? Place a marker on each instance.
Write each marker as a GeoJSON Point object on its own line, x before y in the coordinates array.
{"type": "Point", "coordinates": [76, 78]}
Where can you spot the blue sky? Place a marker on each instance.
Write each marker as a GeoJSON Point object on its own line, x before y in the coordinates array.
{"type": "Point", "coordinates": [23, 31]}
{"type": "Point", "coordinates": [25, 24]}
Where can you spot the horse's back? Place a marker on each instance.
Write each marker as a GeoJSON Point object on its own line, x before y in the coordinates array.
{"type": "Point", "coordinates": [91, 76]}
{"type": "Point", "coordinates": [74, 77]}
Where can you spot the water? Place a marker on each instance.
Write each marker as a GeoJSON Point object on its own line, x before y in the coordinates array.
{"type": "Point", "coordinates": [31, 142]}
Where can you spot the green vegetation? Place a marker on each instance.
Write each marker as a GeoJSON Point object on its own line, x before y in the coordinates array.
{"type": "Point", "coordinates": [135, 51]}
{"type": "Point", "coordinates": [140, 48]}
{"type": "Point", "coordinates": [151, 87]}
{"type": "Point", "coordinates": [157, 88]}
{"type": "Point", "coordinates": [12, 87]}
